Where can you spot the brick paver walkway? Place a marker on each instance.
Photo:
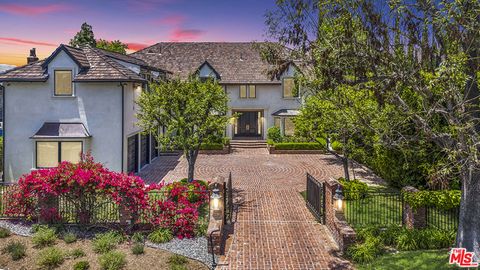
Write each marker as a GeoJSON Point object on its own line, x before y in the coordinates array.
{"type": "Point", "coordinates": [273, 228]}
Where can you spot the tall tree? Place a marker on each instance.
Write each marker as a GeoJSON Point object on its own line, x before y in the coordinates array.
{"type": "Point", "coordinates": [84, 37]}
{"type": "Point", "coordinates": [418, 61]}
{"type": "Point", "coordinates": [192, 112]}
{"type": "Point", "coordinates": [113, 46]}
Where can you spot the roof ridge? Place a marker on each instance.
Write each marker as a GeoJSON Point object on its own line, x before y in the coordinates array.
{"type": "Point", "coordinates": [108, 61]}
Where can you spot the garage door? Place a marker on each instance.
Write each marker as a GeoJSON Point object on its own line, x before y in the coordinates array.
{"type": "Point", "coordinates": [132, 156]}
{"type": "Point", "coordinates": [145, 150]}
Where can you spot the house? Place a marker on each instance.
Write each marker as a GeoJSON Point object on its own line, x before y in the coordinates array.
{"type": "Point", "coordinates": [81, 100]}
{"type": "Point", "coordinates": [75, 101]}
{"type": "Point", "coordinates": [259, 100]}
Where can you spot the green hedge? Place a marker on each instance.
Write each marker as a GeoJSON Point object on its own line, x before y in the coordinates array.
{"type": "Point", "coordinates": [353, 189]}
{"type": "Point", "coordinates": [211, 146]}
{"type": "Point", "coordinates": [443, 199]}
{"type": "Point", "coordinates": [298, 146]}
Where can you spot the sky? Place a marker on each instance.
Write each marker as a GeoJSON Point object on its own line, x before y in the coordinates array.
{"type": "Point", "coordinates": [44, 24]}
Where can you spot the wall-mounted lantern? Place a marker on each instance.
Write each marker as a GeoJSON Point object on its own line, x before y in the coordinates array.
{"type": "Point", "coordinates": [338, 199]}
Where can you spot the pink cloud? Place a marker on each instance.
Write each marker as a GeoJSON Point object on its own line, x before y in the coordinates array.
{"type": "Point", "coordinates": [185, 34]}
{"type": "Point", "coordinates": [24, 41]}
{"type": "Point", "coordinates": [171, 20]}
{"type": "Point", "coordinates": [32, 10]}
{"type": "Point", "coordinates": [136, 46]}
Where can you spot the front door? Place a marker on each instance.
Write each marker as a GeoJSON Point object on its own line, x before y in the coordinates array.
{"type": "Point", "coordinates": [247, 124]}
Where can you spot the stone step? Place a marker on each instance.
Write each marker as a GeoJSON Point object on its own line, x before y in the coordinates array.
{"type": "Point", "coordinates": [249, 146]}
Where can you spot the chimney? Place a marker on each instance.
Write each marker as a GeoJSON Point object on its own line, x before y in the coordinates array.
{"type": "Point", "coordinates": [33, 56]}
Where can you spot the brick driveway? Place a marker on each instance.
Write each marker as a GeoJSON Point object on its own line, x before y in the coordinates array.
{"type": "Point", "coordinates": [273, 228]}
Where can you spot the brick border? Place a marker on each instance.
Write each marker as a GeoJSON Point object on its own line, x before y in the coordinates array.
{"type": "Point", "coordinates": [225, 151]}
{"type": "Point", "coordinates": [272, 150]}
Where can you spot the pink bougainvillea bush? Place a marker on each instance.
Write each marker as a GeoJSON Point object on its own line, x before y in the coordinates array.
{"type": "Point", "coordinates": [174, 206]}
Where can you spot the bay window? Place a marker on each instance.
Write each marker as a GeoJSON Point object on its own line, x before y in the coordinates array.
{"type": "Point", "coordinates": [51, 153]}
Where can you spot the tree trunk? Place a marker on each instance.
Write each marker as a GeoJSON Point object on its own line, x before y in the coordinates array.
{"type": "Point", "coordinates": [191, 156]}
{"type": "Point", "coordinates": [468, 233]}
{"type": "Point", "coordinates": [345, 159]}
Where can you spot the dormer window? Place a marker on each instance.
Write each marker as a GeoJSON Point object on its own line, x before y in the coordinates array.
{"type": "Point", "coordinates": [63, 83]}
{"type": "Point", "coordinates": [288, 87]}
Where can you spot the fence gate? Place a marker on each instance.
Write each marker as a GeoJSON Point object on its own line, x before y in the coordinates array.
{"type": "Point", "coordinates": [316, 198]}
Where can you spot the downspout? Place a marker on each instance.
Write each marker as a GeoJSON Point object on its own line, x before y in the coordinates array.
{"type": "Point", "coordinates": [123, 126]}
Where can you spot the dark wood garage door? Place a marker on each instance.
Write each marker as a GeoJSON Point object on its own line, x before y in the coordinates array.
{"type": "Point", "coordinates": [145, 150]}
{"type": "Point", "coordinates": [132, 156]}
{"type": "Point", "coordinates": [153, 148]}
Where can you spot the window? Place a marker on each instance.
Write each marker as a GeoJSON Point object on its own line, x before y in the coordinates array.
{"type": "Point", "coordinates": [248, 91]}
{"type": "Point", "coordinates": [288, 87]}
{"type": "Point", "coordinates": [243, 91]}
{"type": "Point", "coordinates": [276, 121]}
{"type": "Point", "coordinates": [63, 83]}
{"type": "Point", "coordinates": [252, 91]}
{"type": "Point", "coordinates": [289, 127]}
{"type": "Point", "coordinates": [50, 154]}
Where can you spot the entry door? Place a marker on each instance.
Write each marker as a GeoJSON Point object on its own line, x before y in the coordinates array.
{"type": "Point", "coordinates": [248, 124]}
{"type": "Point", "coordinates": [132, 154]}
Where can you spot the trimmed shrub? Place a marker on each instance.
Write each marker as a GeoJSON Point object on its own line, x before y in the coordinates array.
{"type": "Point", "coordinates": [366, 251]}
{"type": "Point", "coordinates": [50, 258]}
{"type": "Point", "coordinates": [69, 238]}
{"type": "Point", "coordinates": [44, 237]}
{"type": "Point", "coordinates": [4, 233]}
{"type": "Point", "coordinates": [337, 146]}
{"type": "Point", "coordinates": [353, 189]}
{"type": "Point", "coordinates": [298, 146]}
{"type": "Point", "coordinates": [138, 238]}
{"type": "Point", "coordinates": [138, 249]}
{"type": "Point", "coordinates": [177, 259]}
{"type": "Point", "coordinates": [105, 242]}
{"type": "Point", "coordinates": [112, 260]}
{"type": "Point", "coordinates": [322, 142]}
{"type": "Point", "coordinates": [274, 134]}
{"type": "Point", "coordinates": [161, 235]}
{"type": "Point", "coordinates": [17, 250]}
{"type": "Point", "coordinates": [77, 253]}
{"type": "Point", "coordinates": [211, 146]}
{"type": "Point", "coordinates": [81, 265]}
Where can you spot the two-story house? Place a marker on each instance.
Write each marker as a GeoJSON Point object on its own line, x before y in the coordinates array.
{"type": "Point", "coordinates": [259, 100]}
{"type": "Point", "coordinates": [82, 100]}
{"type": "Point", "coordinates": [76, 100]}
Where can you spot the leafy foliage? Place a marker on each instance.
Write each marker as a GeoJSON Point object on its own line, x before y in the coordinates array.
{"type": "Point", "coordinates": [298, 146]}
{"type": "Point", "coordinates": [161, 235]}
{"type": "Point", "coordinates": [442, 199]}
{"type": "Point", "coordinates": [353, 189]}
{"type": "Point", "coordinates": [69, 238]}
{"type": "Point", "coordinates": [105, 242]}
{"type": "Point", "coordinates": [113, 46]}
{"type": "Point", "coordinates": [191, 111]}
{"type": "Point", "coordinates": [77, 253]}
{"type": "Point", "coordinates": [81, 265]}
{"type": "Point", "coordinates": [17, 250]}
{"type": "Point", "coordinates": [138, 249]}
{"type": "Point", "coordinates": [44, 236]}
{"type": "Point", "coordinates": [112, 260]}
{"type": "Point", "coordinates": [84, 37]}
{"type": "Point", "coordinates": [50, 258]}
{"type": "Point", "coordinates": [4, 233]}
{"type": "Point", "coordinates": [274, 134]}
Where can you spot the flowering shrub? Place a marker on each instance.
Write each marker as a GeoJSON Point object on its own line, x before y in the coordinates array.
{"type": "Point", "coordinates": [173, 206]}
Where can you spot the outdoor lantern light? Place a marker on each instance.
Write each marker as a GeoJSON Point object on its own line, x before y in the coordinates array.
{"type": "Point", "coordinates": [216, 199]}
{"type": "Point", "coordinates": [338, 198]}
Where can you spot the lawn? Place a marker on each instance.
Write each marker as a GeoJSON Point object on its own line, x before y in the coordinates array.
{"type": "Point", "coordinates": [413, 260]}
{"type": "Point", "coordinates": [151, 259]}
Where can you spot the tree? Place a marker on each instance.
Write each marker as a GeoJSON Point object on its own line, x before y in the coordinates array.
{"type": "Point", "coordinates": [113, 46]}
{"type": "Point", "coordinates": [84, 37]}
{"type": "Point", "coordinates": [192, 111]}
{"type": "Point", "coordinates": [418, 61]}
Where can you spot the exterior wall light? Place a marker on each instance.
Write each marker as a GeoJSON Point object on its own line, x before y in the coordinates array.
{"type": "Point", "coordinates": [216, 199]}
{"type": "Point", "coordinates": [338, 199]}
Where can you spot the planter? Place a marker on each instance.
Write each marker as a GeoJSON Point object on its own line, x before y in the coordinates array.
{"type": "Point", "coordinates": [224, 151]}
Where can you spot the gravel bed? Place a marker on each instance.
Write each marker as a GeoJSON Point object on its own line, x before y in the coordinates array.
{"type": "Point", "coordinates": [194, 248]}
{"type": "Point", "coordinates": [17, 227]}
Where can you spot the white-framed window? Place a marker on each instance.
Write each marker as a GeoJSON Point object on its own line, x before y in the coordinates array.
{"type": "Point", "coordinates": [288, 85]}
{"type": "Point", "coordinates": [63, 82]}
{"type": "Point", "coordinates": [277, 122]}
{"type": "Point", "coordinates": [289, 127]}
{"type": "Point", "coordinates": [50, 153]}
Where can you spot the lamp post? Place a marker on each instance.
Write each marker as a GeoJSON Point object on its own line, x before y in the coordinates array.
{"type": "Point", "coordinates": [338, 198]}
{"type": "Point", "coordinates": [216, 199]}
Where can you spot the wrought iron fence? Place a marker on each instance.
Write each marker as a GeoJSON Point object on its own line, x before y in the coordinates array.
{"type": "Point", "coordinates": [374, 208]}
{"type": "Point", "coordinates": [442, 219]}
{"type": "Point", "coordinates": [228, 199]}
{"type": "Point", "coordinates": [6, 191]}
{"type": "Point", "coordinates": [316, 197]}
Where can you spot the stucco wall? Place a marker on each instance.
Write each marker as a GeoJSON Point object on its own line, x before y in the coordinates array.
{"type": "Point", "coordinates": [29, 105]}
{"type": "Point", "coordinates": [269, 98]}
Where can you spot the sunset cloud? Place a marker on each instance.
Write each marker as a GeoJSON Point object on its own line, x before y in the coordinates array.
{"type": "Point", "coordinates": [185, 34]}
{"type": "Point", "coordinates": [24, 41]}
{"type": "Point", "coordinates": [136, 46]}
{"type": "Point", "coordinates": [170, 20]}
{"type": "Point", "coordinates": [29, 10]}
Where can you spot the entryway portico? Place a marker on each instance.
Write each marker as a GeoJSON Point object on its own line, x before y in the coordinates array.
{"type": "Point", "coordinates": [249, 123]}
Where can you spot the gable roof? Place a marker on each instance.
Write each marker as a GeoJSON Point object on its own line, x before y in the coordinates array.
{"type": "Point", "coordinates": [210, 67]}
{"type": "Point", "coordinates": [235, 62]}
{"type": "Point", "coordinates": [130, 59]}
{"type": "Point", "coordinates": [94, 64]}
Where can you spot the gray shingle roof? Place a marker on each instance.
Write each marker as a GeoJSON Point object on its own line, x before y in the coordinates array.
{"type": "Point", "coordinates": [235, 62]}
{"type": "Point", "coordinates": [95, 65]}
